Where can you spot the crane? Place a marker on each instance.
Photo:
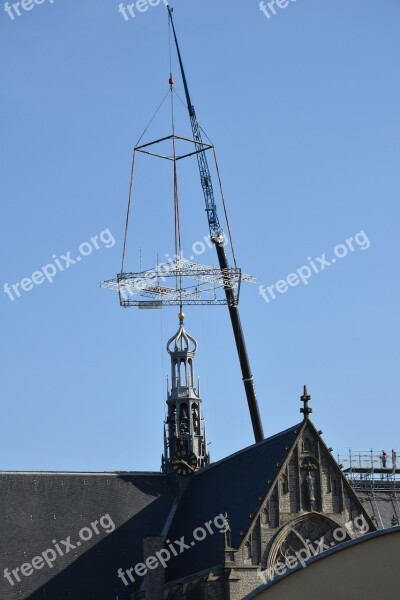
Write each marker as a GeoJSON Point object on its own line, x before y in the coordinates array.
{"type": "Point", "coordinates": [218, 238]}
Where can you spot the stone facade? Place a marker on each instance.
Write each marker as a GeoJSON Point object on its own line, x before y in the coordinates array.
{"type": "Point", "coordinates": [309, 500]}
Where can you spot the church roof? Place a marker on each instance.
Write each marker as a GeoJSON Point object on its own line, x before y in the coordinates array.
{"type": "Point", "coordinates": [384, 506]}
{"type": "Point", "coordinates": [37, 508]}
{"type": "Point", "coordinates": [235, 485]}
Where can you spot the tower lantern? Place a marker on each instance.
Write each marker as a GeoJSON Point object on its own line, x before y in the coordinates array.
{"type": "Point", "coordinates": [184, 426]}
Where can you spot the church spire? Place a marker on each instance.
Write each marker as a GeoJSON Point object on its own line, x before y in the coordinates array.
{"type": "Point", "coordinates": [184, 426]}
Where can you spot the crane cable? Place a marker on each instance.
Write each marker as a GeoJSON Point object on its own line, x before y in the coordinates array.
{"type": "Point", "coordinates": [225, 209]}
{"type": "Point", "coordinates": [128, 211]}
{"type": "Point", "coordinates": [177, 221]}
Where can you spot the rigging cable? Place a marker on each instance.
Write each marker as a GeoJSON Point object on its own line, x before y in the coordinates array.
{"type": "Point", "coordinates": [178, 244]}
{"type": "Point", "coordinates": [225, 210]}
{"type": "Point", "coordinates": [128, 211]}
{"type": "Point", "coordinates": [152, 119]}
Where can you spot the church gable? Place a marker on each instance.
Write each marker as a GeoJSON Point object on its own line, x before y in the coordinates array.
{"type": "Point", "coordinates": [309, 500]}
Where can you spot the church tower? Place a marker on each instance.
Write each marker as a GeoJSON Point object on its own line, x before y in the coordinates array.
{"type": "Point", "coordinates": [184, 427]}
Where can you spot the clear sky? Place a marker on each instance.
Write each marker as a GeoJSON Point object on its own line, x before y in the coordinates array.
{"type": "Point", "coordinates": [303, 108]}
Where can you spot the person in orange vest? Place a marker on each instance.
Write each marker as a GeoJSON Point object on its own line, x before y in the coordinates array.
{"type": "Point", "coordinates": [383, 459]}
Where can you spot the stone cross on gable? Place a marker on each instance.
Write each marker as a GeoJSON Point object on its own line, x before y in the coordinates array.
{"type": "Point", "coordinates": [306, 410]}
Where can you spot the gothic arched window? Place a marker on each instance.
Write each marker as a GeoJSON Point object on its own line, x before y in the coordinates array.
{"type": "Point", "coordinates": [183, 419]}
{"type": "Point", "coordinates": [196, 419]}
{"type": "Point", "coordinates": [190, 373]}
{"type": "Point", "coordinates": [247, 551]}
{"type": "Point", "coordinates": [182, 373]}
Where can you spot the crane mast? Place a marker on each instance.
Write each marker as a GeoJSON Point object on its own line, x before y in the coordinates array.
{"type": "Point", "coordinates": [218, 238]}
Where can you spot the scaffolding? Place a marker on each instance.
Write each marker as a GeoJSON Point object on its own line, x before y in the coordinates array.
{"type": "Point", "coordinates": [370, 470]}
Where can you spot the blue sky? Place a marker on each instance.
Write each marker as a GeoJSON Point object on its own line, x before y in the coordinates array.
{"type": "Point", "coordinates": [303, 111]}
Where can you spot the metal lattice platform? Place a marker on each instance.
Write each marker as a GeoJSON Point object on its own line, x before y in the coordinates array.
{"type": "Point", "coordinates": [180, 282]}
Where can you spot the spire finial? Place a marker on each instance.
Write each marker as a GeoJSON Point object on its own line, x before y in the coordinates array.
{"type": "Point", "coordinates": [181, 341]}
{"type": "Point", "coordinates": [306, 410]}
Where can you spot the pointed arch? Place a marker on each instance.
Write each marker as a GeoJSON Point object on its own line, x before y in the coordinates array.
{"type": "Point", "coordinates": [298, 534]}
{"type": "Point", "coordinates": [284, 481]}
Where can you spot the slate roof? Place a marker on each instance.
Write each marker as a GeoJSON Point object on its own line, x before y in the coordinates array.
{"type": "Point", "coordinates": [234, 486]}
{"type": "Point", "coordinates": [383, 505]}
{"type": "Point", "coordinates": [36, 508]}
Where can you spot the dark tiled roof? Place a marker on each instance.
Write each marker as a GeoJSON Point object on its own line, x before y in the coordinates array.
{"type": "Point", "coordinates": [36, 508]}
{"type": "Point", "coordinates": [233, 486]}
{"type": "Point", "coordinates": [383, 505]}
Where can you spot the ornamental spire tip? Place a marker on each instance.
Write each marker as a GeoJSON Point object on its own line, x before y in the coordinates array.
{"type": "Point", "coordinates": [306, 410]}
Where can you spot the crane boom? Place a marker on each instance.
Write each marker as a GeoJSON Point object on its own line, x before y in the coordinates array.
{"type": "Point", "coordinates": [218, 238]}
